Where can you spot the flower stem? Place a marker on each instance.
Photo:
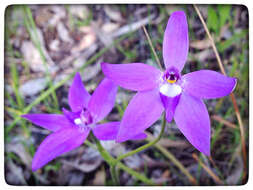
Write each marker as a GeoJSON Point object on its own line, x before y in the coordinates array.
{"type": "Point", "coordinates": [146, 145]}
{"type": "Point", "coordinates": [112, 162]}
{"type": "Point", "coordinates": [114, 174]}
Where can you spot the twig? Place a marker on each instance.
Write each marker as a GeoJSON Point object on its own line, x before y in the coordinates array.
{"type": "Point", "coordinates": [211, 39]}
{"type": "Point", "coordinates": [238, 116]}
{"type": "Point", "coordinates": [223, 121]}
{"type": "Point", "coordinates": [132, 27]}
{"type": "Point", "coordinates": [208, 170]}
{"type": "Point", "coordinates": [152, 47]}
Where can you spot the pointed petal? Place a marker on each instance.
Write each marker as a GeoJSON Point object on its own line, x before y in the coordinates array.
{"type": "Point", "coordinates": [78, 96]}
{"type": "Point", "coordinates": [175, 41]}
{"type": "Point", "coordinates": [170, 104]}
{"type": "Point", "coordinates": [143, 110]}
{"type": "Point", "coordinates": [71, 116]}
{"type": "Point", "coordinates": [52, 122]}
{"type": "Point", "coordinates": [133, 76]}
{"type": "Point", "coordinates": [208, 84]}
{"type": "Point", "coordinates": [192, 119]}
{"type": "Point", "coordinates": [106, 131]}
{"type": "Point", "coordinates": [103, 99]}
{"type": "Point", "coordinates": [140, 136]}
{"type": "Point", "coordinates": [56, 144]}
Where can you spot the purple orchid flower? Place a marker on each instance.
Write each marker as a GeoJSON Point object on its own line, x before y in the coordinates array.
{"type": "Point", "coordinates": [72, 128]}
{"type": "Point", "coordinates": [180, 96]}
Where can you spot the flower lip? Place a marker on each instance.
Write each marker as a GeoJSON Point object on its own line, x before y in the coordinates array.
{"type": "Point", "coordinates": [86, 117]}
{"type": "Point", "coordinates": [171, 83]}
{"type": "Point", "coordinates": [171, 75]}
{"type": "Point", "coordinates": [81, 118]}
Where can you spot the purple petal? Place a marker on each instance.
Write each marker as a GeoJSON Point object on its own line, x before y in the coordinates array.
{"type": "Point", "coordinates": [143, 110]}
{"type": "Point", "coordinates": [109, 131]}
{"type": "Point", "coordinates": [106, 131]}
{"type": "Point", "coordinates": [208, 84]}
{"type": "Point", "coordinates": [78, 96]}
{"type": "Point", "coordinates": [140, 136]}
{"type": "Point", "coordinates": [192, 119]}
{"type": "Point", "coordinates": [71, 116]}
{"type": "Point", "coordinates": [103, 99]}
{"type": "Point", "coordinates": [56, 144]}
{"type": "Point", "coordinates": [133, 76]}
{"type": "Point", "coordinates": [52, 122]}
{"type": "Point", "coordinates": [170, 104]}
{"type": "Point", "coordinates": [175, 41]}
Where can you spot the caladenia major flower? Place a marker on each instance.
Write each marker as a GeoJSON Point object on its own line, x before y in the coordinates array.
{"type": "Point", "coordinates": [180, 96]}
{"type": "Point", "coordinates": [72, 128]}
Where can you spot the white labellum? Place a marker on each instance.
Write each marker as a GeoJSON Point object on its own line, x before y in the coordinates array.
{"type": "Point", "coordinates": [77, 121]}
{"type": "Point", "coordinates": [170, 90]}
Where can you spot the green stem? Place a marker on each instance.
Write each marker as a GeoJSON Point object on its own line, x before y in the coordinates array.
{"type": "Point", "coordinates": [112, 161]}
{"type": "Point", "coordinates": [146, 145]}
{"type": "Point", "coordinates": [114, 174]}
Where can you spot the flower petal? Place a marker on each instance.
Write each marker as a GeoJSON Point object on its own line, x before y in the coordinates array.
{"type": "Point", "coordinates": [56, 144]}
{"type": "Point", "coordinates": [175, 41]}
{"type": "Point", "coordinates": [133, 76]}
{"type": "Point", "coordinates": [103, 99]}
{"type": "Point", "coordinates": [170, 104]}
{"type": "Point", "coordinates": [142, 111]}
{"type": "Point", "coordinates": [109, 131]}
{"type": "Point", "coordinates": [52, 122]}
{"type": "Point", "coordinates": [140, 136]}
{"type": "Point", "coordinates": [71, 116]}
{"type": "Point", "coordinates": [208, 84]}
{"type": "Point", "coordinates": [78, 96]}
{"type": "Point", "coordinates": [192, 119]}
{"type": "Point", "coordinates": [106, 131]}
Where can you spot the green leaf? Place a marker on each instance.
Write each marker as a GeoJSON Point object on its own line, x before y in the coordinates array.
{"type": "Point", "coordinates": [212, 20]}
{"type": "Point", "coordinates": [224, 14]}
{"type": "Point", "coordinates": [222, 46]}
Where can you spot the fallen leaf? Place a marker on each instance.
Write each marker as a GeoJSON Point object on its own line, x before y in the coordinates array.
{"type": "Point", "coordinates": [33, 86]}
{"type": "Point", "coordinates": [201, 44]}
{"type": "Point", "coordinates": [87, 40]}
{"type": "Point", "coordinates": [113, 14]}
{"type": "Point", "coordinates": [100, 177]}
{"type": "Point", "coordinates": [63, 33]}
{"type": "Point", "coordinates": [19, 149]}
{"type": "Point", "coordinates": [80, 11]}
{"type": "Point", "coordinates": [110, 27]}
{"type": "Point", "coordinates": [15, 175]}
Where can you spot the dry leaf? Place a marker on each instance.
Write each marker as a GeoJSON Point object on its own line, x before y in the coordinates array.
{"type": "Point", "coordinates": [113, 14]}
{"type": "Point", "coordinates": [201, 44]}
{"type": "Point", "coordinates": [110, 27]}
{"type": "Point", "coordinates": [100, 177]}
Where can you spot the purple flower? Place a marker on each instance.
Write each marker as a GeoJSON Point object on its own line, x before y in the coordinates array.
{"type": "Point", "coordinates": [72, 128]}
{"type": "Point", "coordinates": [180, 96]}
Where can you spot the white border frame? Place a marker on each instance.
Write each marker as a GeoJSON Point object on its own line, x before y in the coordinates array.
{"type": "Point", "coordinates": [3, 6]}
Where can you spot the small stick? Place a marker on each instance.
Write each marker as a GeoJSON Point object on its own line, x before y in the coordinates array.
{"type": "Point", "coordinates": [232, 96]}
{"type": "Point", "coordinates": [208, 170]}
{"type": "Point", "coordinates": [223, 121]}
{"type": "Point", "coordinates": [152, 47]}
{"type": "Point", "coordinates": [211, 39]}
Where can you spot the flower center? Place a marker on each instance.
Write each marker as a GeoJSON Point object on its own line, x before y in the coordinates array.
{"type": "Point", "coordinates": [85, 119]}
{"type": "Point", "coordinates": [170, 86]}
